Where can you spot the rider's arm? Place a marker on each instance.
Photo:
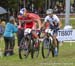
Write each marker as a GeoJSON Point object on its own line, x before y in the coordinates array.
{"type": "Point", "coordinates": [39, 23]}
{"type": "Point", "coordinates": [35, 18]}
{"type": "Point", "coordinates": [27, 21]}
{"type": "Point", "coordinates": [60, 24]}
{"type": "Point", "coordinates": [58, 20]}
{"type": "Point", "coordinates": [45, 21]}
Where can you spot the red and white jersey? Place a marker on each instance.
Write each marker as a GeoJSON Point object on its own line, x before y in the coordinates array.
{"type": "Point", "coordinates": [32, 17]}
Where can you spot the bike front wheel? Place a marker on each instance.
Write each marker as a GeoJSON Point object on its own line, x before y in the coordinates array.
{"type": "Point", "coordinates": [24, 48]}
{"type": "Point", "coordinates": [46, 45]}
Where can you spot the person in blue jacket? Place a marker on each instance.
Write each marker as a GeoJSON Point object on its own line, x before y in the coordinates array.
{"type": "Point", "coordinates": [10, 29]}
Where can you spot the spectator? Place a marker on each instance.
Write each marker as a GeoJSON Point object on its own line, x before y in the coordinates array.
{"type": "Point", "coordinates": [55, 9]}
{"type": "Point", "coordinates": [72, 9]}
{"type": "Point", "coordinates": [60, 8]}
{"type": "Point", "coordinates": [10, 29]}
{"type": "Point", "coordinates": [1, 28]}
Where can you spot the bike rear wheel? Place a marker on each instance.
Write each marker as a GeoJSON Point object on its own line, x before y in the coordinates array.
{"type": "Point", "coordinates": [34, 50]}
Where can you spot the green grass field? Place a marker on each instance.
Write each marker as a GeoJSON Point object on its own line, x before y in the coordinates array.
{"type": "Point", "coordinates": [66, 56]}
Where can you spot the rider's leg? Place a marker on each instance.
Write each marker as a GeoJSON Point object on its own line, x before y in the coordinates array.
{"type": "Point", "coordinates": [54, 39]}
{"type": "Point", "coordinates": [55, 44]}
{"type": "Point", "coordinates": [35, 35]}
{"type": "Point", "coordinates": [20, 35]}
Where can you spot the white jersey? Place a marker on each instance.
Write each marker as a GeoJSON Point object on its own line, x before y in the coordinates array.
{"type": "Point", "coordinates": [52, 19]}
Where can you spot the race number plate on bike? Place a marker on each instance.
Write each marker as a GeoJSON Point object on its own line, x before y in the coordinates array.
{"type": "Point", "coordinates": [27, 31]}
{"type": "Point", "coordinates": [48, 31]}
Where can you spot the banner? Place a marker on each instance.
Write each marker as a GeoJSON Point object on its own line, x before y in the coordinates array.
{"type": "Point", "coordinates": [66, 35]}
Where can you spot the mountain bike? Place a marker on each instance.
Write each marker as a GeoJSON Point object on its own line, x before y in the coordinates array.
{"type": "Point", "coordinates": [28, 45]}
{"type": "Point", "coordinates": [47, 44]}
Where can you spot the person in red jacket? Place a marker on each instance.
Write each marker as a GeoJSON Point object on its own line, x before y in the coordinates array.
{"type": "Point", "coordinates": [28, 20]}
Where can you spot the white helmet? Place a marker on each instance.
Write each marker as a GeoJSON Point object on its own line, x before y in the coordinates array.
{"type": "Point", "coordinates": [49, 11]}
{"type": "Point", "coordinates": [22, 11]}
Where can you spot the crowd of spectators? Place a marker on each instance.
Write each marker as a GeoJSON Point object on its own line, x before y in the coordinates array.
{"type": "Point", "coordinates": [58, 9]}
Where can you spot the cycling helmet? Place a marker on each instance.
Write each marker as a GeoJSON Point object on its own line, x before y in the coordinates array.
{"type": "Point", "coordinates": [49, 11]}
{"type": "Point", "coordinates": [22, 11]}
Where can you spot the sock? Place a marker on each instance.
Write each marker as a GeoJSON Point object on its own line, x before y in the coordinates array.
{"type": "Point", "coordinates": [55, 48]}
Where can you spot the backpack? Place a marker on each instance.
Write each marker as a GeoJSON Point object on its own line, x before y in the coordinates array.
{"type": "Point", "coordinates": [1, 30]}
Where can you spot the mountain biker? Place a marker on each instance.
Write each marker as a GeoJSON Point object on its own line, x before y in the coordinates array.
{"type": "Point", "coordinates": [27, 20]}
{"type": "Point", "coordinates": [53, 22]}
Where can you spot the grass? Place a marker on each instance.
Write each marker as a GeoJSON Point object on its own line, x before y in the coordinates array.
{"type": "Point", "coordinates": [66, 58]}
{"type": "Point", "coordinates": [71, 22]}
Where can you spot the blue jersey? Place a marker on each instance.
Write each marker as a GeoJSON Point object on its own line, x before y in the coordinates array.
{"type": "Point", "coordinates": [10, 29]}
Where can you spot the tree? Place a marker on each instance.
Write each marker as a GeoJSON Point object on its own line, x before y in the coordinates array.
{"type": "Point", "coordinates": [13, 4]}
{"type": "Point", "coordinates": [74, 3]}
{"type": "Point", "coordinates": [4, 3]}
{"type": "Point", "coordinates": [53, 3]}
